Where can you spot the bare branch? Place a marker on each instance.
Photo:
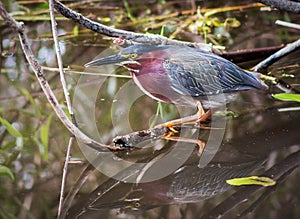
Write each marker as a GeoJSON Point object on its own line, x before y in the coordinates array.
{"type": "Point", "coordinates": [68, 101]}
{"type": "Point", "coordinates": [64, 175]}
{"type": "Point", "coordinates": [123, 34]}
{"type": "Point", "coordinates": [285, 5]}
{"type": "Point", "coordinates": [59, 59]}
{"type": "Point", "coordinates": [16, 26]}
{"type": "Point", "coordinates": [288, 24]}
{"type": "Point", "coordinates": [74, 190]}
{"type": "Point", "coordinates": [276, 56]}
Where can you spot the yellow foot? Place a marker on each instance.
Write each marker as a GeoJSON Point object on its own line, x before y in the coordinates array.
{"type": "Point", "coordinates": [200, 116]}
{"type": "Point", "coordinates": [170, 126]}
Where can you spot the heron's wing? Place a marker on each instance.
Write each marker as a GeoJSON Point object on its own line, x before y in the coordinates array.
{"type": "Point", "coordinates": [197, 76]}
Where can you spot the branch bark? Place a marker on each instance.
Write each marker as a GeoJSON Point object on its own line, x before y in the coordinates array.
{"type": "Point", "coordinates": [276, 56]}
{"type": "Point", "coordinates": [285, 5]}
{"type": "Point", "coordinates": [123, 34]}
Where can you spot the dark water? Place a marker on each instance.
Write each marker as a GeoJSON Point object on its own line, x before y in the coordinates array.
{"type": "Point", "coordinates": [163, 179]}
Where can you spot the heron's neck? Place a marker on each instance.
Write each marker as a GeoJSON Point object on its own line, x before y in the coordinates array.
{"type": "Point", "coordinates": [151, 63]}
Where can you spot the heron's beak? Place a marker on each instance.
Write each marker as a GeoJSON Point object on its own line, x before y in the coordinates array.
{"type": "Point", "coordinates": [114, 59]}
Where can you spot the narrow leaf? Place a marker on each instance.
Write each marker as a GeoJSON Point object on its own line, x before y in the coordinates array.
{"type": "Point", "coordinates": [76, 30]}
{"type": "Point", "coordinates": [44, 135]}
{"type": "Point", "coordinates": [251, 180]}
{"type": "Point", "coordinates": [31, 100]}
{"type": "Point", "coordinates": [6, 171]}
{"type": "Point", "coordinates": [10, 128]}
{"type": "Point", "coordinates": [287, 97]}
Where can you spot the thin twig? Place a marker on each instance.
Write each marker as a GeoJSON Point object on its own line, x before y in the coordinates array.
{"type": "Point", "coordinates": [74, 190]}
{"type": "Point", "coordinates": [68, 101]}
{"type": "Point", "coordinates": [59, 59]}
{"type": "Point", "coordinates": [70, 71]}
{"type": "Point", "coordinates": [288, 24]}
{"type": "Point", "coordinates": [64, 175]}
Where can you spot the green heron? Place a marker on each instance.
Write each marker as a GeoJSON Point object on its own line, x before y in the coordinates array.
{"type": "Point", "coordinates": [183, 75]}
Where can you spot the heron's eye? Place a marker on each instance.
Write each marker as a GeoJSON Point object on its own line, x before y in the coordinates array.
{"type": "Point", "coordinates": [133, 55]}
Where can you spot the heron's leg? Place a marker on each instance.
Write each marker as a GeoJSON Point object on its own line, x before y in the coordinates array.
{"type": "Point", "coordinates": [200, 116]}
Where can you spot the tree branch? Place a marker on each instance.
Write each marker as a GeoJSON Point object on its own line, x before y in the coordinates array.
{"type": "Point", "coordinates": [123, 34]}
{"type": "Point", "coordinates": [285, 5]}
{"type": "Point", "coordinates": [276, 56]}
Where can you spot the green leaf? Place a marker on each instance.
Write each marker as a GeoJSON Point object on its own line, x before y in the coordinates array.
{"type": "Point", "coordinates": [162, 30]}
{"type": "Point", "coordinates": [231, 22]}
{"type": "Point", "coordinates": [44, 135]}
{"type": "Point", "coordinates": [287, 97]}
{"type": "Point", "coordinates": [251, 180]}
{"type": "Point", "coordinates": [159, 112]}
{"type": "Point", "coordinates": [42, 6]}
{"type": "Point", "coordinates": [76, 30]}
{"type": "Point", "coordinates": [106, 19]}
{"type": "Point", "coordinates": [6, 171]}
{"type": "Point", "coordinates": [31, 100]}
{"type": "Point", "coordinates": [9, 127]}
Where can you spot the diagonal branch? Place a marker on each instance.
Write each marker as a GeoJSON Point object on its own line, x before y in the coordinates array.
{"type": "Point", "coordinates": [276, 56]}
{"type": "Point", "coordinates": [285, 5]}
{"type": "Point", "coordinates": [117, 33]}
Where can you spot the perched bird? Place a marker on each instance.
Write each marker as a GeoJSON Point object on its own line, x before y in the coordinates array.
{"type": "Point", "coordinates": [183, 75]}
